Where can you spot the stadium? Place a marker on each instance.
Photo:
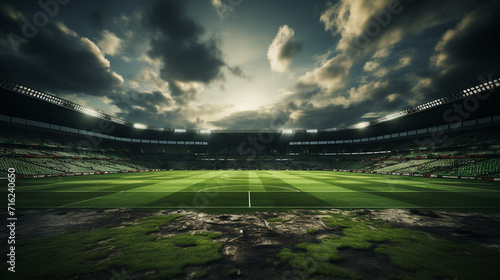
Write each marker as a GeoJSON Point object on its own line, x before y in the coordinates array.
{"type": "Point", "coordinates": [90, 160]}
{"type": "Point", "coordinates": [409, 193]}
{"type": "Point", "coordinates": [417, 142]}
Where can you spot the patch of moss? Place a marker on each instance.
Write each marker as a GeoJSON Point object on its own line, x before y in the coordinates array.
{"type": "Point", "coordinates": [73, 253]}
{"type": "Point", "coordinates": [424, 256]}
{"type": "Point", "coordinates": [276, 220]}
{"type": "Point", "coordinates": [312, 230]}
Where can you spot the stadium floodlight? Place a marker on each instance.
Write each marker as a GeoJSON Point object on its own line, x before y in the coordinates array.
{"type": "Point", "coordinates": [361, 124]}
{"type": "Point", "coordinates": [89, 112]}
{"type": "Point", "coordinates": [140, 126]}
{"type": "Point", "coordinates": [205, 131]}
{"type": "Point", "coordinates": [312, 131]}
{"type": "Point", "coordinates": [287, 131]}
{"type": "Point", "coordinates": [180, 130]}
{"type": "Point", "coordinates": [117, 120]}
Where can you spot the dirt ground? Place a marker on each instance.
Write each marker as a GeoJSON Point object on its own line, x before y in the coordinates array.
{"type": "Point", "coordinates": [250, 239]}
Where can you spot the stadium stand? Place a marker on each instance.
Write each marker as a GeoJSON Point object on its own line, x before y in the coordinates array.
{"type": "Point", "coordinates": [76, 140]}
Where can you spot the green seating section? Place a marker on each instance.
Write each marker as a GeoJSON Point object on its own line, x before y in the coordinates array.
{"type": "Point", "coordinates": [24, 167]}
{"type": "Point", "coordinates": [50, 166]}
{"type": "Point", "coordinates": [43, 153]}
{"type": "Point", "coordinates": [482, 167]}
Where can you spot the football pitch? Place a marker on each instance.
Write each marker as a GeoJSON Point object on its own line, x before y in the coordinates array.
{"type": "Point", "coordinates": [255, 190]}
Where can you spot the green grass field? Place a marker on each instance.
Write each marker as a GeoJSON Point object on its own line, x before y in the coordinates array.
{"type": "Point", "coordinates": [144, 249]}
{"type": "Point", "coordinates": [254, 190]}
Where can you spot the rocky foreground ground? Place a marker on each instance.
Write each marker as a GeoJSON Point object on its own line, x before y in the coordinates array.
{"type": "Point", "coordinates": [252, 240]}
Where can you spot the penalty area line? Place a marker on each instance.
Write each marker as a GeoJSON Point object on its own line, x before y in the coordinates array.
{"type": "Point", "coordinates": [249, 200]}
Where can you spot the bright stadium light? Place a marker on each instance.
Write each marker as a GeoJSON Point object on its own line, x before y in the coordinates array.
{"type": "Point", "coordinates": [287, 131]}
{"type": "Point", "coordinates": [180, 130]}
{"type": "Point", "coordinates": [312, 131]}
{"type": "Point", "coordinates": [205, 131]}
{"type": "Point", "coordinates": [140, 126]}
{"type": "Point", "coordinates": [89, 112]}
{"type": "Point", "coordinates": [362, 125]}
{"type": "Point", "coordinates": [117, 120]}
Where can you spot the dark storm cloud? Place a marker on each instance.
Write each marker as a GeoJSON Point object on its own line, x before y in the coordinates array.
{"type": "Point", "coordinates": [148, 101]}
{"type": "Point", "coordinates": [188, 62]}
{"type": "Point", "coordinates": [367, 32]}
{"type": "Point", "coordinates": [181, 96]}
{"type": "Point", "coordinates": [290, 49]}
{"type": "Point", "coordinates": [331, 90]}
{"type": "Point", "coordinates": [469, 53]}
{"type": "Point", "coordinates": [150, 108]}
{"type": "Point", "coordinates": [372, 100]}
{"type": "Point", "coordinates": [185, 56]}
{"type": "Point", "coordinates": [367, 26]}
{"type": "Point", "coordinates": [172, 21]}
{"type": "Point", "coordinates": [55, 59]}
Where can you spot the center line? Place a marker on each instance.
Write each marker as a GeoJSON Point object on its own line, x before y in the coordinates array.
{"type": "Point", "coordinates": [249, 202]}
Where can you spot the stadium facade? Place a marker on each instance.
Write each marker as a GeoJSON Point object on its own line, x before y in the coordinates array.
{"type": "Point", "coordinates": [454, 136]}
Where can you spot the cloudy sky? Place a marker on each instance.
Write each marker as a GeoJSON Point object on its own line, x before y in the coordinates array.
{"type": "Point", "coordinates": [249, 64]}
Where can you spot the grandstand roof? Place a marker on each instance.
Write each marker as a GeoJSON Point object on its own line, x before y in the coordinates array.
{"type": "Point", "coordinates": [461, 107]}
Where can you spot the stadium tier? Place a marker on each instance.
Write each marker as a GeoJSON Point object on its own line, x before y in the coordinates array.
{"type": "Point", "coordinates": [43, 135]}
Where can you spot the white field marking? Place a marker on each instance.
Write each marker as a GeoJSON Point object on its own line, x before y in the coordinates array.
{"type": "Point", "coordinates": [445, 188]}
{"type": "Point", "coordinates": [277, 187]}
{"type": "Point", "coordinates": [64, 206]}
{"type": "Point", "coordinates": [476, 189]}
{"type": "Point", "coordinates": [344, 191]}
{"type": "Point", "coordinates": [249, 201]}
{"type": "Point", "coordinates": [291, 190]}
{"type": "Point", "coordinates": [236, 179]}
{"type": "Point", "coordinates": [90, 183]}
{"type": "Point", "coordinates": [407, 191]}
